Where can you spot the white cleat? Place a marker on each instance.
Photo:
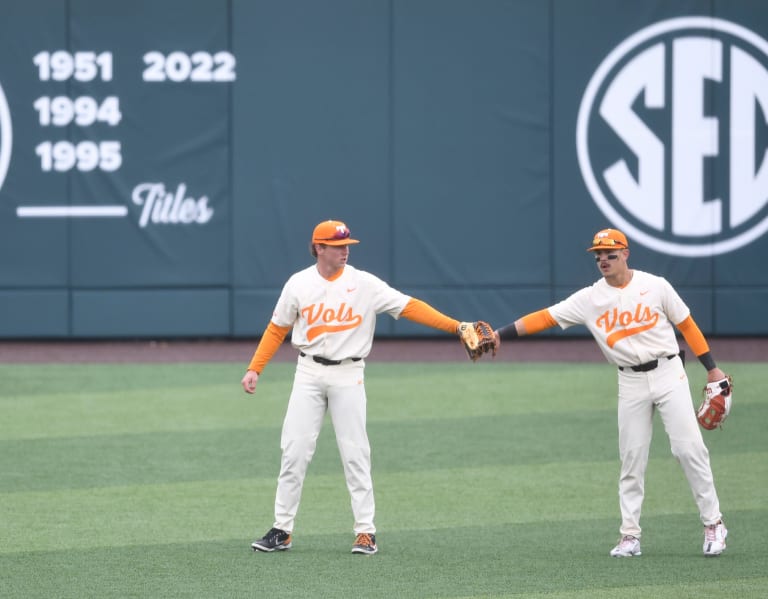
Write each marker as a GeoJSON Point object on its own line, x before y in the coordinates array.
{"type": "Point", "coordinates": [628, 546]}
{"type": "Point", "coordinates": [714, 539]}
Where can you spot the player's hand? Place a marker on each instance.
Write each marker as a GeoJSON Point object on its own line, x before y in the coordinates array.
{"type": "Point", "coordinates": [249, 381]}
{"type": "Point", "coordinates": [715, 375]}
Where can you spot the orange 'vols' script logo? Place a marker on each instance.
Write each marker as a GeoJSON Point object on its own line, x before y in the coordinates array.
{"type": "Point", "coordinates": [330, 320]}
{"type": "Point", "coordinates": [642, 316]}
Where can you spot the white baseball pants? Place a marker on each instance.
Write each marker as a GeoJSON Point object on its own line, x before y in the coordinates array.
{"type": "Point", "coordinates": [340, 390]}
{"type": "Point", "coordinates": [664, 389]}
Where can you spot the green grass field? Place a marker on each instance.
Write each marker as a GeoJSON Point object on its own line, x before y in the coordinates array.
{"type": "Point", "coordinates": [152, 481]}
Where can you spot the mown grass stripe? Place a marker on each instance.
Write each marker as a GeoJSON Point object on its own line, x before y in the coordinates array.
{"type": "Point", "coordinates": [103, 460]}
{"type": "Point", "coordinates": [215, 509]}
{"type": "Point", "coordinates": [560, 559]}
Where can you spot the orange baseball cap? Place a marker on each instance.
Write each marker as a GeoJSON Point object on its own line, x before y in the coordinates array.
{"type": "Point", "coordinates": [608, 239]}
{"type": "Point", "coordinates": [332, 232]}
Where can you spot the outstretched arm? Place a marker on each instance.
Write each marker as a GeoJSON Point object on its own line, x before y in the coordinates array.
{"type": "Point", "coordinates": [476, 337]}
{"type": "Point", "coordinates": [530, 324]}
{"type": "Point", "coordinates": [422, 313]}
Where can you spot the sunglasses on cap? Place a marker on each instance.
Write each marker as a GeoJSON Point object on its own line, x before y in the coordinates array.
{"type": "Point", "coordinates": [607, 241]}
{"type": "Point", "coordinates": [339, 234]}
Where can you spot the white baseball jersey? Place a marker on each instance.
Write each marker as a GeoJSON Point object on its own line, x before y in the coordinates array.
{"type": "Point", "coordinates": [335, 319]}
{"type": "Point", "coordinates": [632, 324]}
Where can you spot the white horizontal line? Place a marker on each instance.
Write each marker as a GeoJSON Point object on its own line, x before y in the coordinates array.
{"type": "Point", "coordinates": [71, 211]}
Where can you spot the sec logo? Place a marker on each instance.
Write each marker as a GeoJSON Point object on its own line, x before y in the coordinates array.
{"type": "Point", "coordinates": [671, 136]}
{"type": "Point", "coordinates": [6, 137]}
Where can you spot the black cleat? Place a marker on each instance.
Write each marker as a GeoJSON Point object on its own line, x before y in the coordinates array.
{"type": "Point", "coordinates": [274, 540]}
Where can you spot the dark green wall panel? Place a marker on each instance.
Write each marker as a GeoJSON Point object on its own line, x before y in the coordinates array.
{"type": "Point", "coordinates": [142, 313]}
{"type": "Point", "coordinates": [444, 132]}
{"type": "Point", "coordinates": [34, 313]}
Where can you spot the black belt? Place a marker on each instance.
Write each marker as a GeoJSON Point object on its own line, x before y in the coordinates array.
{"type": "Point", "coordinates": [326, 361]}
{"type": "Point", "coordinates": [647, 366]}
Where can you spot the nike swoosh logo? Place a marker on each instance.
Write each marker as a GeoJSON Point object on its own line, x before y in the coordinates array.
{"type": "Point", "coordinates": [351, 289]}
{"type": "Point", "coordinates": [643, 292]}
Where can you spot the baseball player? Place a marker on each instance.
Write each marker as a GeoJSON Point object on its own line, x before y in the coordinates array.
{"type": "Point", "coordinates": [631, 314]}
{"type": "Point", "coordinates": [331, 307]}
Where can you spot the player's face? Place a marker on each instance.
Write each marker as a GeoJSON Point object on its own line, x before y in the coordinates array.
{"type": "Point", "coordinates": [332, 257]}
{"type": "Point", "coordinates": [611, 262]}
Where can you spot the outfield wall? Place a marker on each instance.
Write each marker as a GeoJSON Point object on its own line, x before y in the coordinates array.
{"type": "Point", "coordinates": [162, 164]}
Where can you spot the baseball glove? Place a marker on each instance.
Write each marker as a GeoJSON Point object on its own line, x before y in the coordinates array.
{"type": "Point", "coordinates": [477, 338]}
{"type": "Point", "coordinates": [717, 403]}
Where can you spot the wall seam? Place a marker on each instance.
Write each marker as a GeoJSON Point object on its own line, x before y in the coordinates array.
{"type": "Point", "coordinates": [68, 188]}
{"type": "Point", "coordinates": [391, 149]}
{"type": "Point", "coordinates": [230, 177]}
{"type": "Point", "coordinates": [550, 141]}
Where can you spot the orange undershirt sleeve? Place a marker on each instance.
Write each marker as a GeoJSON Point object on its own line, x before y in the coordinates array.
{"type": "Point", "coordinates": [693, 336]}
{"type": "Point", "coordinates": [535, 322]}
{"type": "Point", "coordinates": [270, 342]}
{"type": "Point", "coordinates": [422, 313]}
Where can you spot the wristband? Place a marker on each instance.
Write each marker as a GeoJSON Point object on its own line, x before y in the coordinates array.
{"type": "Point", "coordinates": [508, 332]}
{"type": "Point", "coordinates": [707, 361]}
